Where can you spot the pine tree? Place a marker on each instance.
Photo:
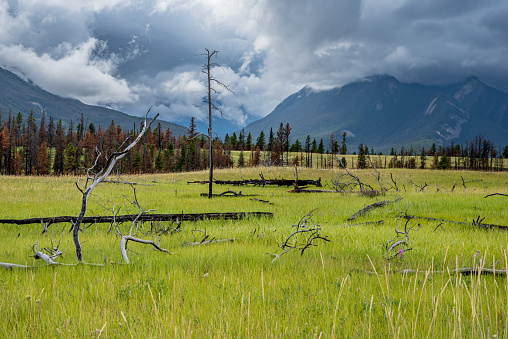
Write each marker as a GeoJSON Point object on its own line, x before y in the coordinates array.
{"type": "Point", "coordinates": [343, 145]}
{"type": "Point", "coordinates": [136, 165]}
{"type": "Point", "coordinates": [248, 143]}
{"type": "Point", "coordinates": [362, 161]}
{"type": "Point", "coordinates": [271, 139]}
{"type": "Point", "coordinates": [70, 158]}
{"type": "Point", "coordinates": [260, 141]}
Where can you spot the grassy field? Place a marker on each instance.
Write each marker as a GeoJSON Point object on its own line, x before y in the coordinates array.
{"type": "Point", "coordinates": [343, 288]}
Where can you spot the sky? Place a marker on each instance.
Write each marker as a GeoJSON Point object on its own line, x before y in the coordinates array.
{"type": "Point", "coordinates": [134, 54]}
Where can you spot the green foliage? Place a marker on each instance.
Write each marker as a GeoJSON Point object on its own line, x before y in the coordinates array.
{"type": "Point", "coordinates": [234, 289]}
{"type": "Point", "coordinates": [444, 163]}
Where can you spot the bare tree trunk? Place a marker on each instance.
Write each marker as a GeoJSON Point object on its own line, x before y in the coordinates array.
{"type": "Point", "coordinates": [210, 147]}
{"type": "Point", "coordinates": [97, 179]}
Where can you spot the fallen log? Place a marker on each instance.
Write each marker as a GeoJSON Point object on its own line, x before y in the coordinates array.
{"type": "Point", "coordinates": [460, 270]}
{"type": "Point", "coordinates": [230, 194]}
{"type": "Point", "coordinates": [372, 206]}
{"type": "Point", "coordinates": [143, 218]}
{"type": "Point", "coordinates": [477, 222]}
{"type": "Point", "coordinates": [207, 242]}
{"type": "Point", "coordinates": [262, 182]}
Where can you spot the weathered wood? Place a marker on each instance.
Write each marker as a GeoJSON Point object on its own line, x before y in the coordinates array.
{"type": "Point", "coordinates": [207, 242]}
{"type": "Point", "coordinates": [262, 182]}
{"type": "Point", "coordinates": [460, 270]}
{"type": "Point", "coordinates": [229, 194]}
{"type": "Point", "coordinates": [142, 218]}
{"type": "Point", "coordinates": [372, 206]}
{"type": "Point", "coordinates": [474, 223]}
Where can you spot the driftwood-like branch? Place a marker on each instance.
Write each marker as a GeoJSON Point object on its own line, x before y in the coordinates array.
{"type": "Point", "coordinates": [401, 242]}
{"type": "Point", "coordinates": [99, 177]}
{"type": "Point", "coordinates": [372, 206]}
{"type": "Point", "coordinates": [126, 238]}
{"type": "Point", "coordinates": [302, 238]}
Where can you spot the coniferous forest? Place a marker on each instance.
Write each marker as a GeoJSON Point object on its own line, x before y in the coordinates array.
{"type": "Point", "coordinates": [46, 147]}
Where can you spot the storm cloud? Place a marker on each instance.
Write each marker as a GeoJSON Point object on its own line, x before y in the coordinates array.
{"type": "Point", "coordinates": [134, 54]}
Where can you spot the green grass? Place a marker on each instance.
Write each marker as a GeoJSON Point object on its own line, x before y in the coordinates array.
{"type": "Point", "coordinates": [233, 289]}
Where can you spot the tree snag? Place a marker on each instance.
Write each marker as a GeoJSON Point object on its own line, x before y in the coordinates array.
{"type": "Point", "coordinates": [92, 180]}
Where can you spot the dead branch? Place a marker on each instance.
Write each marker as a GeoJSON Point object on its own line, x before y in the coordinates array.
{"type": "Point", "coordinates": [207, 242]}
{"type": "Point", "coordinates": [478, 222]}
{"type": "Point", "coordinates": [377, 175]}
{"type": "Point", "coordinates": [372, 206]}
{"type": "Point", "coordinates": [363, 223]}
{"type": "Point", "coordinates": [263, 201]}
{"type": "Point", "coordinates": [401, 241]}
{"type": "Point", "coordinates": [302, 238]}
{"type": "Point", "coordinates": [490, 195]}
{"type": "Point", "coordinates": [394, 183]}
{"type": "Point", "coordinates": [421, 188]}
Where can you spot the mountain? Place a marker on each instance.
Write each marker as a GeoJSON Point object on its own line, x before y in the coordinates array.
{"type": "Point", "coordinates": [22, 96]}
{"type": "Point", "coordinates": [381, 112]}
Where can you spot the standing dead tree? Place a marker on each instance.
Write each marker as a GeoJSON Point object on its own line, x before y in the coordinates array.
{"type": "Point", "coordinates": [94, 179]}
{"type": "Point", "coordinates": [211, 79]}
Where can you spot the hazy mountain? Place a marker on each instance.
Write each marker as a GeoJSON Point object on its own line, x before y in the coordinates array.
{"type": "Point", "coordinates": [382, 112]}
{"type": "Point", "coordinates": [20, 95]}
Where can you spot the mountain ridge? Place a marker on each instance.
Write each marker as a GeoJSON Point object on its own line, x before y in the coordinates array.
{"type": "Point", "coordinates": [382, 112]}
{"type": "Point", "coordinates": [21, 95]}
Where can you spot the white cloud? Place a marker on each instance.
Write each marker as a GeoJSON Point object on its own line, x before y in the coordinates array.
{"type": "Point", "coordinates": [75, 74]}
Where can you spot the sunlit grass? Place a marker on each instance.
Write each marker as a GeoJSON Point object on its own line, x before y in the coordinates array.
{"type": "Point", "coordinates": [233, 289]}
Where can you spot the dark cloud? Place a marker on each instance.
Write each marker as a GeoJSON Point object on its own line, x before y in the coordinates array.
{"type": "Point", "coordinates": [132, 55]}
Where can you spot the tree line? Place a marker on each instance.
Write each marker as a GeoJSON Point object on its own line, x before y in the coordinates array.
{"type": "Point", "coordinates": [28, 147]}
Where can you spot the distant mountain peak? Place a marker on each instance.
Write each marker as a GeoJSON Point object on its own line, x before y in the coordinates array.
{"type": "Point", "coordinates": [382, 112]}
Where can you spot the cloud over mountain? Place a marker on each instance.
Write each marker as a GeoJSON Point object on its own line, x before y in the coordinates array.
{"type": "Point", "coordinates": [131, 55]}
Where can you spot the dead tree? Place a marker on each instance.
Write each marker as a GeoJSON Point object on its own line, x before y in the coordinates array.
{"type": "Point", "coordinates": [93, 179]}
{"type": "Point", "coordinates": [401, 242]}
{"type": "Point", "coordinates": [302, 238]}
{"type": "Point", "coordinates": [210, 78]}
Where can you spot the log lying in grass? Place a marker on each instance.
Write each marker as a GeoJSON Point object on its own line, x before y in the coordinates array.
{"type": "Point", "coordinates": [207, 242]}
{"type": "Point", "coordinates": [262, 182]}
{"type": "Point", "coordinates": [477, 222]}
{"type": "Point", "coordinates": [230, 194]}
{"type": "Point", "coordinates": [143, 218]}
{"type": "Point", "coordinates": [461, 270]}
{"type": "Point", "coordinates": [372, 206]}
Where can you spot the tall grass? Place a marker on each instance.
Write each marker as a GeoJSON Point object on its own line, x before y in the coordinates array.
{"type": "Point", "coordinates": [233, 289]}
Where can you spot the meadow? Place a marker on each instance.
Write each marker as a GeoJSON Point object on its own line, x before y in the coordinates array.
{"type": "Point", "coordinates": [345, 288]}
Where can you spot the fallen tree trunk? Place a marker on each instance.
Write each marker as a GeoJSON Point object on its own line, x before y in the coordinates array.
{"type": "Point", "coordinates": [207, 242]}
{"type": "Point", "coordinates": [372, 206]}
{"type": "Point", "coordinates": [461, 270]}
{"type": "Point", "coordinates": [230, 194]}
{"type": "Point", "coordinates": [474, 223]}
{"type": "Point", "coordinates": [262, 182]}
{"type": "Point", "coordinates": [143, 218]}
